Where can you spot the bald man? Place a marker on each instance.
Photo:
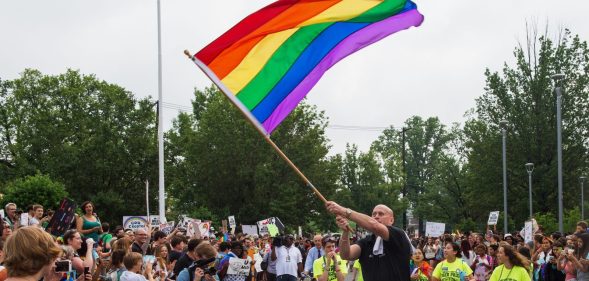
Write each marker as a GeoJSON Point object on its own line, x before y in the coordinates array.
{"type": "Point", "coordinates": [383, 255]}
{"type": "Point", "coordinates": [314, 253]}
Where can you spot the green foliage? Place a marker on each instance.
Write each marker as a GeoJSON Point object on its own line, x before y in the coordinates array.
{"type": "Point", "coordinates": [523, 95]}
{"type": "Point", "coordinates": [219, 162]}
{"type": "Point", "coordinates": [92, 136]}
{"type": "Point", "coordinates": [37, 189]}
{"type": "Point", "coordinates": [549, 221]}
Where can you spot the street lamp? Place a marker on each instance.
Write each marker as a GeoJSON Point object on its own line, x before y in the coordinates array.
{"type": "Point", "coordinates": [530, 169]}
{"type": "Point", "coordinates": [582, 180]}
{"type": "Point", "coordinates": [558, 77]}
{"type": "Point", "coordinates": [503, 126]}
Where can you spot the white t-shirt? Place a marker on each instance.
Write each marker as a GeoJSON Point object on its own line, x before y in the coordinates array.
{"type": "Point", "coordinates": [287, 260]}
{"type": "Point", "coordinates": [131, 276]}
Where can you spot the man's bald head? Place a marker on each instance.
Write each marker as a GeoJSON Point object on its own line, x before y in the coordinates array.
{"type": "Point", "coordinates": [383, 214]}
{"type": "Point", "coordinates": [317, 240]}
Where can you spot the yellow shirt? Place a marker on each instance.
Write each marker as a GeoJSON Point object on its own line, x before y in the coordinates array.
{"type": "Point", "coordinates": [319, 265]}
{"type": "Point", "coordinates": [358, 267]}
{"type": "Point", "coordinates": [516, 273]}
{"type": "Point", "coordinates": [452, 271]}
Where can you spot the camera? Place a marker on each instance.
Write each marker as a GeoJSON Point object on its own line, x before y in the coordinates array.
{"type": "Point", "coordinates": [203, 264]}
{"type": "Point", "coordinates": [63, 266]}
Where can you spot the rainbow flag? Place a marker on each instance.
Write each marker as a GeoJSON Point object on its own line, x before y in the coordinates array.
{"type": "Point", "coordinates": [268, 62]}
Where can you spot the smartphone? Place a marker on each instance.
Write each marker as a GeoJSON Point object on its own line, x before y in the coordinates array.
{"type": "Point", "coordinates": [63, 266]}
{"type": "Point", "coordinates": [571, 251]}
{"type": "Point", "coordinates": [86, 270]}
{"type": "Point", "coordinates": [148, 259]}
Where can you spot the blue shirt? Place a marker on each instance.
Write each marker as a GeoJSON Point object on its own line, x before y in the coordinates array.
{"type": "Point", "coordinates": [311, 257]}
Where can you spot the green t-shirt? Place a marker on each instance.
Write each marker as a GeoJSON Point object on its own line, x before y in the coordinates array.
{"type": "Point", "coordinates": [516, 273]}
{"type": "Point", "coordinates": [452, 271]}
{"type": "Point", "coordinates": [319, 265]}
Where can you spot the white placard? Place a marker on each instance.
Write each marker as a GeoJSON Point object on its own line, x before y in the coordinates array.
{"type": "Point", "coordinates": [250, 229]}
{"type": "Point", "coordinates": [239, 266]}
{"type": "Point", "coordinates": [434, 229]}
{"type": "Point", "coordinates": [262, 226]}
{"type": "Point", "coordinates": [134, 222]}
{"type": "Point", "coordinates": [232, 223]}
{"type": "Point", "coordinates": [204, 227]}
{"type": "Point", "coordinates": [493, 218]}
{"type": "Point", "coordinates": [529, 231]}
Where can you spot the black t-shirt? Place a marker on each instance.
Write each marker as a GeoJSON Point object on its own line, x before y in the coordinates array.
{"type": "Point", "coordinates": [393, 264]}
{"type": "Point", "coordinates": [174, 255]}
{"type": "Point", "coordinates": [183, 262]}
{"type": "Point", "coordinates": [136, 248]}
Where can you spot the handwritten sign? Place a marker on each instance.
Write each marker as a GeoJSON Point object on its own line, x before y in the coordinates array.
{"type": "Point", "coordinates": [493, 218]}
{"type": "Point", "coordinates": [239, 267]}
{"type": "Point", "coordinates": [434, 229]}
{"type": "Point", "coordinates": [529, 231]}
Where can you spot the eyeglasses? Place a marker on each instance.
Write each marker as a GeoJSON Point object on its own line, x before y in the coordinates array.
{"type": "Point", "coordinates": [329, 239]}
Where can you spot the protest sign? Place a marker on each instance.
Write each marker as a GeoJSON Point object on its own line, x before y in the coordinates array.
{"type": "Point", "coordinates": [62, 218]}
{"type": "Point", "coordinates": [434, 229]}
{"type": "Point", "coordinates": [249, 229]}
{"type": "Point", "coordinates": [272, 229]}
{"type": "Point", "coordinates": [168, 227]}
{"type": "Point", "coordinates": [528, 231]}
{"type": "Point", "coordinates": [232, 223]}
{"type": "Point", "coordinates": [134, 222]}
{"type": "Point", "coordinates": [239, 267]}
{"type": "Point", "coordinates": [204, 227]}
{"type": "Point", "coordinates": [493, 218]}
{"type": "Point", "coordinates": [262, 225]}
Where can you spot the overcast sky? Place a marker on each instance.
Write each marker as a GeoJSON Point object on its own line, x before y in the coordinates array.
{"type": "Point", "coordinates": [433, 70]}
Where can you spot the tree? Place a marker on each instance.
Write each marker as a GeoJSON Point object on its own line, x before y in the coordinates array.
{"type": "Point", "coordinates": [37, 189]}
{"type": "Point", "coordinates": [92, 136]}
{"type": "Point", "coordinates": [426, 149]}
{"type": "Point", "coordinates": [218, 161]}
{"type": "Point", "coordinates": [523, 95]}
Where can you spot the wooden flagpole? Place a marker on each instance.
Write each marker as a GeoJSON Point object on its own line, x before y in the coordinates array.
{"type": "Point", "coordinates": [254, 123]}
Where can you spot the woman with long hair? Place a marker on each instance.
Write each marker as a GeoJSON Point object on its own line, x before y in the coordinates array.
{"type": "Point", "coordinates": [162, 267]}
{"type": "Point", "coordinates": [580, 258]}
{"type": "Point", "coordinates": [542, 255]}
{"type": "Point", "coordinates": [429, 251]}
{"type": "Point", "coordinates": [514, 267]}
{"type": "Point", "coordinates": [452, 267]}
{"type": "Point", "coordinates": [466, 251]}
{"type": "Point", "coordinates": [418, 267]}
{"type": "Point", "coordinates": [566, 260]}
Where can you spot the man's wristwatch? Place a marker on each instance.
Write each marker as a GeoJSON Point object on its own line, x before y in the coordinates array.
{"type": "Point", "coordinates": [348, 212]}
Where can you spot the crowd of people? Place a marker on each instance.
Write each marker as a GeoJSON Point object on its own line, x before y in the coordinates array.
{"type": "Point", "coordinates": [91, 251]}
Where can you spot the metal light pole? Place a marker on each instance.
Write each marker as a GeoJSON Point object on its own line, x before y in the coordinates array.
{"type": "Point", "coordinates": [160, 122]}
{"type": "Point", "coordinates": [582, 181]}
{"type": "Point", "coordinates": [503, 126]}
{"type": "Point", "coordinates": [558, 90]}
{"type": "Point", "coordinates": [403, 130]}
{"type": "Point", "coordinates": [530, 169]}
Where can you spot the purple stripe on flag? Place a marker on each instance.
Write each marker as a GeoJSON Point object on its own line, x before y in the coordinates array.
{"type": "Point", "coordinates": [348, 46]}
